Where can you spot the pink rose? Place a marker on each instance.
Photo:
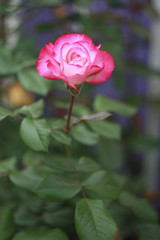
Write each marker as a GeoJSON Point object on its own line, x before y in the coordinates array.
{"type": "Point", "coordinates": [74, 59]}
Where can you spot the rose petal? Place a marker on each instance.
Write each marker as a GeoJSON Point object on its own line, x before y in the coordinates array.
{"type": "Point", "coordinates": [70, 38]}
{"type": "Point", "coordinates": [80, 39]}
{"type": "Point", "coordinates": [80, 62]}
{"type": "Point", "coordinates": [71, 69]}
{"type": "Point", "coordinates": [47, 52]}
{"type": "Point", "coordinates": [75, 74]}
{"type": "Point", "coordinates": [76, 79]}
{"type": "Point", "coordinates": [43, 70]}
{"type": "Point", "coordinates": [98, 47]}
{"type": "Point", "coordinates": [54, 67]}
{"type": "Point", "coordinates": [73, 53]}
{"type": "Point", "coordinates": [91, 48]}
{"type": "Point", "coordinates": [47, 66]}
{"type": "Point", "coordinates": [95, 69]}
{"type": "Point", "coordinates": [67, 49]}
{"type": "Point", "coordinates": [102, 76]}
{"type": "Point", "coordinates": [49, 70]}
{"type": "Point", "coordinates": [64, 50]}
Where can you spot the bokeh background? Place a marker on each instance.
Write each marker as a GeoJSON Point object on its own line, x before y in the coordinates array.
{"type": "Point", "coordinates": [130, 31]}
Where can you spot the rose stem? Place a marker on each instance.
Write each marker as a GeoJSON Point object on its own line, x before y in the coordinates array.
{"type": "Point", "coordinates": [69, 113]}
{"type": "Point", "coordinates": [68, 153]}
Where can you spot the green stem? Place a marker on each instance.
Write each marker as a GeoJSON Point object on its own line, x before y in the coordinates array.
{"type": "Point", "coordinates": [69, 113]}
{"type": "Point", "coordinates": [68, 153]}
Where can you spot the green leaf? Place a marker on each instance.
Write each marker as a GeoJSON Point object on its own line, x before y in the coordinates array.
{"type": "Point", "coordinates": [28, 178]}
{"type": "Point", "coordinates": [141, 207]}
{"type": "Point", "coordinates": [61, 216]}
{"type": "Point", "coordinates": [33, 82]}
{"type": "Point", "coordinates": [80, 110]}
{"type": "Point", "coordinates": [93, 221]}
{"type": "Point", "coordinates": [24, 217]}
{"type": "Point", "coordinates": [61, 137]}
{"type": "Point", "coordinates": [148, 231]}
{"type": "Point", "coordinates": [106, 129]}
{"type": "Point", "coordinates": [96, 117]}
{"type": "Point", "coordinates": [31, 158]}
{"type": "Point", "coordinates": [6, 223]}
{"type": "Point", "coordinates": [55, 187]}
{"type": "Point", "coordinates": [55, 234]}
{"type": "Point", "coordinates": [34, 110]}
{"type": "Point", "coordinates": [105, 104]}
{"type": "Point", "coordinates": [83, 135]}
{"type": "Point", "coordinates": [56, 123]}
{"type": "Point", "coordinates": [7, 165]}
{"type": "Point", "coordinates": [5, 113]}
{"type": "Point", "coordinates": [86, 164]}
{"type": "Point", "coordinates": [101, 185]}
{"type": "Point", "coordinates": [111, 154]}
{"type": "Point", "coordinates": [59, 162]}
{"type": "Point", "coordinates": [35, 133]}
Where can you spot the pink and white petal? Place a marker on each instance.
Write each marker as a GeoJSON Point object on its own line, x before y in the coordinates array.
{"type": "Point", "coordinates": [44, 71]}
{"type": "Point", "coordinates": [67, 49]}
{"type": "Point", "coordinates": [64, 50]}
{"type": "Point", "coordinates": [95, 69]}
{"type": "Point", "coordinates": [98, 47]}
{"type": "Point", "coordinates": [47, 52]}
{"type": "Point", "coordinates": [83, 48]}
{"type": "Point", "coordinates": [54, 67]}
{"type": "Point", "coordinates": [76, 80]}
{"type": "Point", "coordinates": [80, 62]}
{"type": "Point", "coordinates": [70, 38]}
{"type": "Point", "coordinates": [102, 76]}
{"type": "Point", "coordinates": [91, 48]}
{"type": "Point", "coordinates": [73, 52]}
{"type": "Point", "coordinates": [71, 69]}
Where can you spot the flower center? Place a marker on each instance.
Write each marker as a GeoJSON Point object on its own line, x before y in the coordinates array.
{"type": "Point", "coordinates": [74, 55]}
{"type": "Point", "coordinates": [77, 59]}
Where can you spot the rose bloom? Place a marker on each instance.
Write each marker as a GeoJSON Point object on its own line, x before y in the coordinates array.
{"type": "Point", "coordinates": [74, 59]}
